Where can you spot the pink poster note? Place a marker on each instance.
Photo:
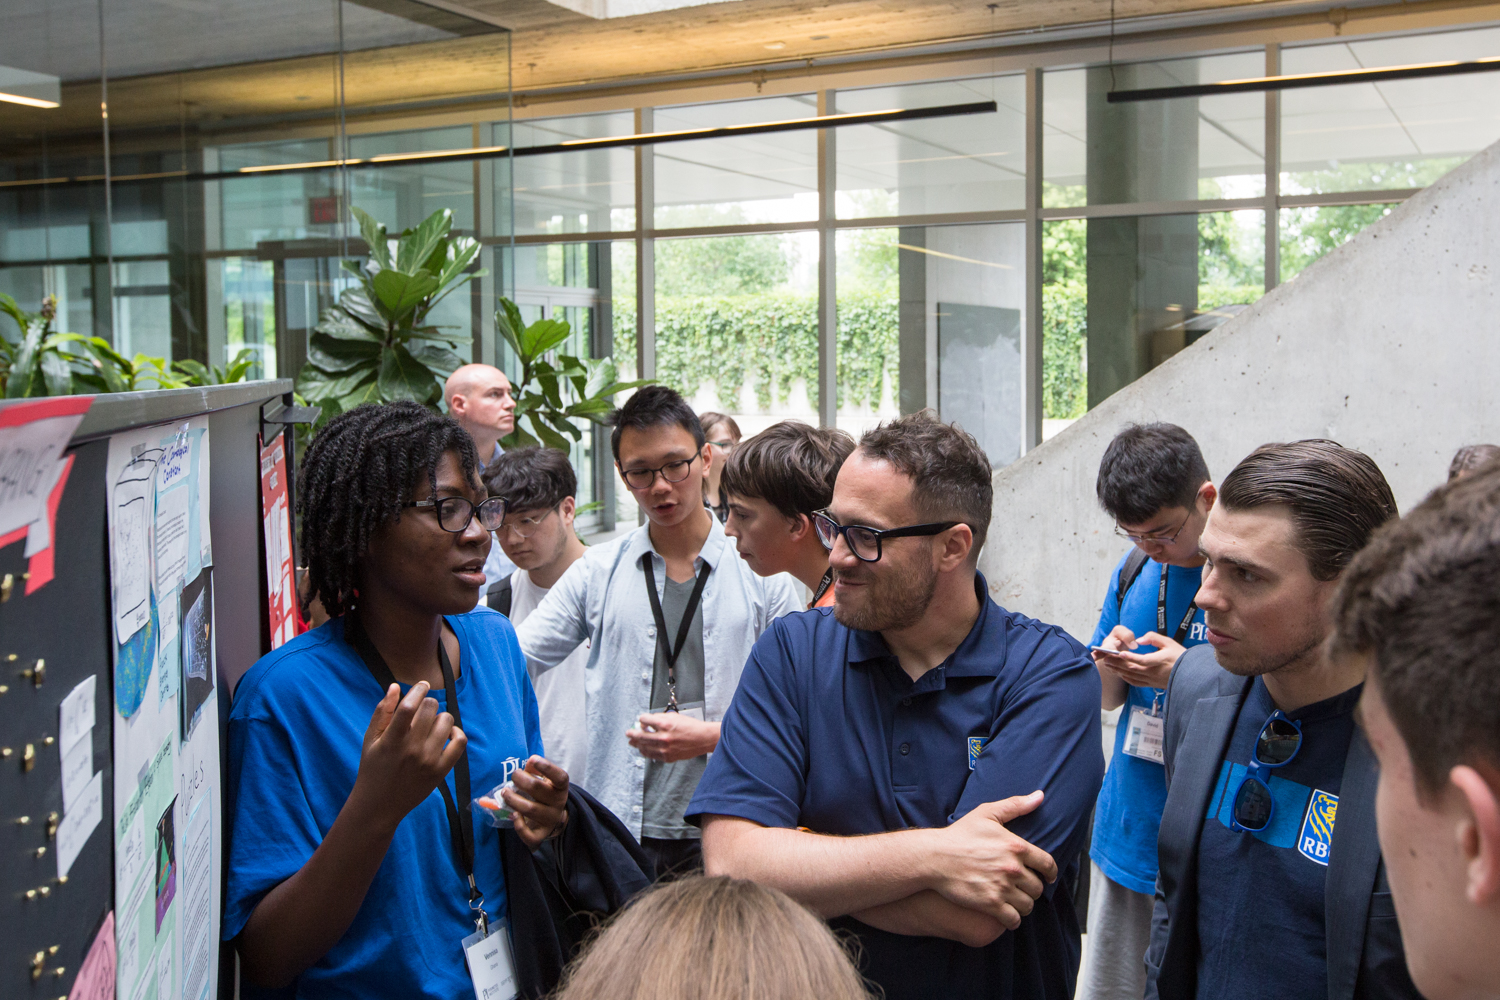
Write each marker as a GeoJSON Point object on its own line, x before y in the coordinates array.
{"type": "Point", "coordinates": [96, 979]}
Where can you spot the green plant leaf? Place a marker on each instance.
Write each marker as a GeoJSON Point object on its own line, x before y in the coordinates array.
{"type": "Point", "coordinates": [333, 355]}
{"type": "Point", "coordinates": [336, 322]}
{"type": "Point", "coordinates": [563, 424]}
{"type": "Point", "coordinates": [543, 335]}
{"type": "Point", "coordinates": [357, 303]}
{"type": "Point", "coordinates": [509, 323]}
{"type": "Point", "coordinates": [57, 373]}
{"type": "Point", "coordinates": [24, 369]}
{"type": "Point", "coordinates": [518, 439]}
{"type": "Point", "coordinates": [404, 377]}
{"type": "Point", "coordinates": [549, 437]}
{"type": "Point", "coordinates": [437, 357]}
{"type": "Point", "coordinates": [239, 368]}
{"type": "Point", "coordinates": [400, 293]}
{"type": "Point", "coordinates": [457, 255]}
{"type": "Point", "coordinates": [316, 385]}
{"type": "Point", "coordinates": [416, 245]}
{"type": "Point", "coordinates": [374, 234]}
{"type": "Point", "coordinates": [369, 392]}
{"type": "Point", "coordinates": [584, 407]}
{"type": "Point", "coordinates": [194, 372]}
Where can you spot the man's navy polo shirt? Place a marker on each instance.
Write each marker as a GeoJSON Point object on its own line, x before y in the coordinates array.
{"type": "Point", "coordinates": [826, 731]}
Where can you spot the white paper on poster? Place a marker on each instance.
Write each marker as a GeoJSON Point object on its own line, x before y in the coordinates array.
{"type": "Point", "coordinates": [171, 538]}
{"type": "Point", "coordinates": [29, 456]}
{"type": "Point", "coordinates": [76, 714]}
{"type": "Point", "coordinates": [39, 534]}
{"type": "Point", "coordinates": [197, 911]}
{"type": "Point", "coordinates": [130, 860]}
{"type": "Point", "coordinates": [77, 767]}
{"type": "Point", "coordinates": [164, 971]}
{"type": "Point", "coordinates": [175, 462]}
{"type": "Point", "coordinates": [134, 508]}
{"type": "Point", "coordinates": [79, 822]}
{"type": "Point", "coordinates": [130, 947]}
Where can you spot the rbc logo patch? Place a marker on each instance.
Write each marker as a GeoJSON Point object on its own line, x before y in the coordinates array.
{"type": "Point", "coordinates": [976, 747]}
{"type": "Point", "coordinates": [1316, 838]}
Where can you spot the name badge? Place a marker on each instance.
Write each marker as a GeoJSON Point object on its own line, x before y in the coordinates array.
{"type": "Point", "coordinates": [1143, 738]}
{"type": "Point", "coordinates": [689, 709]}
{"type": "Point", "coordinates": [491, 968]}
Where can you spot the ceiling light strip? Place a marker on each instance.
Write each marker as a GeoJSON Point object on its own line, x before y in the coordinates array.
{"type": "Point", "coordinates": [1298, 80]}
{"type": "Point", "coordinates": [568, 146]}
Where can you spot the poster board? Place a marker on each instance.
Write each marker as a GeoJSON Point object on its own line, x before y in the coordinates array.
{"type": "Point", "coordinates": [167, 815]}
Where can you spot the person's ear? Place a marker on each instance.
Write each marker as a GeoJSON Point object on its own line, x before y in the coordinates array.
{"type": "Point", "coordinates": [567, 510]}
{"type": "Point", "coordinates": [1207, 494]}
{"type": "Point", "coordinates": [958, 543]}
{"type": "Point", "coordinates": [799, 526]}
{"type": "Point", "coordinates": [1479, 834]}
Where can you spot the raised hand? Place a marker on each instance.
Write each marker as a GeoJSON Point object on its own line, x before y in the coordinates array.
{"type": "Point", "coordinates": [409, 747]}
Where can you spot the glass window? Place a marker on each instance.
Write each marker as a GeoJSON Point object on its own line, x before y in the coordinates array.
{"type": "Point", "coordinates": [586, 192]}
{"type": "Point", "coordinates": [249, 312]}
{"type": "Point", "coordinates": [1309, 233]}
{"type": "Point", "coordinates": [971, 163]}
{"type": "Point", "coordinates": [261, 207]}
{"type": "Point", "coordinates": [869, 327]}
{"type": "Point", "coordinates": [737, 325]}
{"type": "Point", "coordinates": [1383, 136]}
{"type": "Point", "coordinates": [143, 309]}
{"type": "Point", "coordinates": [1097, 153]}
{"type": "Point", "coordinates": [746, 179]}
{"type": "Point", "coordinates": [401, 197]}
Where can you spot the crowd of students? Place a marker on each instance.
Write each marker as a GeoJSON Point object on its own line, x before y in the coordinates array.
{"type": "Point", "coordinates": [803, 752]}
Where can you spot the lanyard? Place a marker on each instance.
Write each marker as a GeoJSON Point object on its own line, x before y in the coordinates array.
{"type": "Point", "coordinates": [823, 586]}
{"type": "Point", "coordinates": [462, 833]}
{"type": "Point", "coordinates": [1161, 610]}
{"type": "Point", "coordinates": [670, 651]}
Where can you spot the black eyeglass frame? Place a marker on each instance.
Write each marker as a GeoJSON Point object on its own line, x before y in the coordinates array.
{"type": "Point", "coordinates": [686, 463]}
{"type": "Point", "coordinates": [440, 502]}
{"type": "Point", "coordinates": [879, 534]}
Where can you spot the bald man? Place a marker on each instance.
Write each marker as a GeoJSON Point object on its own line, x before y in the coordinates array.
{"type": "Point", "coordinates": [480, 399]}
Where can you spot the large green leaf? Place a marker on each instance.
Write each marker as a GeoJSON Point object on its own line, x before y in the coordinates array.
{"type": "Point", "coordinates": [602, 373]}
{"type": "Point", "coordinates": [337, 323]}
{"type": "Point", "coordinates": [511, 326]}
{"type": "Point", "coordinates": [357, 303]}
{"type": "Point", "coordinates": [438, 357]}
{"type": "Point", "coordinates": [400, 293]}
{"type": "Point", "coordinates": [25, 368]}
{"type": "Point", "coordinates": [333, 355]}
{"type": "Point", "coordinates": [542, 336]}
{"type": "Point", "coordinates": [57, 373]}
{"type": "Point", "coordinates": [518, 438]}
{"type": "Point", "coordinates": [457, 255]}
{"type": "Point", "coordinates": [416, 245]}
{"type": "Point", "coordinates": [549, 437]}
{"type": "Point", "coordinates": [404, 377]}
{"type": "Point", "coordinates": [369, 392]}
{"type": "Point", "coordinates": [315, 385]}
{"type": "Point", "coordinates": [374, 234]}
{"type": "Point", "coordinates": [563, 424]}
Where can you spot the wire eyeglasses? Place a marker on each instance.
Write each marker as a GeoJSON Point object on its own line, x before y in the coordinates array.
{"type": "Point", "coordinates": [1158, 537]}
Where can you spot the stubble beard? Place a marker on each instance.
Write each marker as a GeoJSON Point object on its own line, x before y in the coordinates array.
{"type": "Point", "coordinates": [893, 602]}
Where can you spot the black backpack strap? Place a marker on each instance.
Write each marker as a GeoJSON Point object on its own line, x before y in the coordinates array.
{"type": "Point", "coordinates": [499, 595]}
{"type": "Point", "coordinates": [1134, 563]}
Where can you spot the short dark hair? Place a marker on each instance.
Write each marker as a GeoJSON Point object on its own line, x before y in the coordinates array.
{"type": "Point", "coordinates": [1470, 457]}
{"type": "Point", "coordinates": [653, 406]}
{"type": "Point", "coordinates": [1423, 599]}
{"type": "Point", "coordinates": [357, 472]}
{"type": "Point", "coordinates": [1337, 497]}
{"type": "Point", "coordinates": [531, 478]}
{"type": "Point", "coordinates": [950, 472]}
{"type": "Point", "coordinates": [713, 418]}
{"type": "Point", "coordinates": [1147, 468]}
{"type": "Point", "coordinates": [791, 466]}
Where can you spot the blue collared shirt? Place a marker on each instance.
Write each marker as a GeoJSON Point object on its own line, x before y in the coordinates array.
{"type": "Point", "coordinates": [828, 732]}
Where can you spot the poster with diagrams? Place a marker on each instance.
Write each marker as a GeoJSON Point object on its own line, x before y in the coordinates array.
{"type": "Point", "coordinates": [167, 813]}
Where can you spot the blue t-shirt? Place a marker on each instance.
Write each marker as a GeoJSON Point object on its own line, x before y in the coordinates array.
{"type": "Point", "coordinates": [1261, 928]}
{"type": "Point", "coordinates": [826, 731]}
{"type": "Point", "coordinates": [1128, 815]}
{"type": "Point", "coordinates": [295, 735]}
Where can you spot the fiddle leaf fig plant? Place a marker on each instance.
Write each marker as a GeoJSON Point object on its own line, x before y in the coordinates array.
{"type": "Point", "coordinates": [376, 345]}
{"type": "Point", "coordinates": [551, 394]}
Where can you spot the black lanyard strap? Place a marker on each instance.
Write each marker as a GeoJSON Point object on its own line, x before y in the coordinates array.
{"type": "Point", "coordinates": [460, 832]}
{"type": "Point", "coordinates": [670, 651]}
{"type": "Point", "coordinates": [1161, 610]}
{"type": "Point", "coordinates": [823, 586]}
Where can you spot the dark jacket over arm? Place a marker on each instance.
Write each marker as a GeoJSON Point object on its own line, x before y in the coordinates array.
{"type": "Point", "coordinates": [1365, 960]}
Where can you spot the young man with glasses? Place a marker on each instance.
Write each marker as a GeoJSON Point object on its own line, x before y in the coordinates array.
{"type": "Point", "coordinates": [909, 763]}
{"type": "Point", "coordinates": [670, 614]}
{"type": "Point", "coordinates": [539, 488]}
{"type": "Point", "coordinates": [1155, 485]}
{"type": "Point", "coordinates": [1420, 608]}
{"type": "Point", "coordinates": [1271, 882]}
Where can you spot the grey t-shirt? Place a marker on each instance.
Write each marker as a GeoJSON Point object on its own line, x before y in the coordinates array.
{"type": "Point", "coordinates": [669, 787]}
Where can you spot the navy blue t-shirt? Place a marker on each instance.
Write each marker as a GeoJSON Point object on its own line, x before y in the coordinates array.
{"type": "Point", "coordinates": [1261, 925]}
{"type": "Point", "coordinates": [295, 735]}
{"type": "Point", "coordinates": [826, 731]}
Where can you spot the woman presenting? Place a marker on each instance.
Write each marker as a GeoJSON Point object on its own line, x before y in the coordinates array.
{"type": "Point", "coordinates": [356, 866]}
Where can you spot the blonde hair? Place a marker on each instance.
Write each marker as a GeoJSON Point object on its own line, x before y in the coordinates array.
{"type": "Point", "coordinates": [713, 939]}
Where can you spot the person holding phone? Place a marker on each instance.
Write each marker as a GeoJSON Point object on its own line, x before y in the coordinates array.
{"type": "Point", "coordinates": [356, 866]}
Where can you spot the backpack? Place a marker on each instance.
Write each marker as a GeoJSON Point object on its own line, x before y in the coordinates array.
{"type": "Point", "coordinates": [499, 595]}
{"type": "Point", "coordinates": [1134, 563]}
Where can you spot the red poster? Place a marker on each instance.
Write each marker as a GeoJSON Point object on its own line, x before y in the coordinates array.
{"type": "Point", "coordinates": [276, 521]}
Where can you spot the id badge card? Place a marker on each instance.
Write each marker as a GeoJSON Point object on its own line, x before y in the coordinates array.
{"type": "Point", "coordinates": [691, 709]}
{"type": "Point", "coordinates": [1143, 738]}
{"type": "Point", "coordinates": [492, 969]}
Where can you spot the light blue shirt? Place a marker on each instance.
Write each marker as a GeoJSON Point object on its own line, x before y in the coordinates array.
{"type": "Point", "coordinates": [602, 599]}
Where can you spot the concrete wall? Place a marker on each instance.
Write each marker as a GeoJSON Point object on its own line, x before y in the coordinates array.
{"type": "Point", "coordinates": [1387, 345]}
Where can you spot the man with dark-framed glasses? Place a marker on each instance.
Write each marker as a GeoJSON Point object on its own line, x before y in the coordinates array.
{"type": "Point", "coordinates": [669, 612]}
{"type": "Point", "coordinates": [909, 762]}
{"type": "Point", "coordinates": [1271, 881]}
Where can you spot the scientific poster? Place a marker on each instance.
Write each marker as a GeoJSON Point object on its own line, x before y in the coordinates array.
{"type": "Point", "coordinates": [167, 814]}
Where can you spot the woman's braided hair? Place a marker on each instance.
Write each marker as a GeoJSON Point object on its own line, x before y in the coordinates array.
{"type": "Point", "coordinates": [358, 470]}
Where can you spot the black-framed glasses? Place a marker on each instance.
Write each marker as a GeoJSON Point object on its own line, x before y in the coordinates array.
{"type": "Point", "coordinates": [672, 472]}
{"type": "Point", "coordinates": [525, 527]}
{"type": "Point", "coordinates": [865, 542]}
{"type": "Point", "coordinates": [1254, 805]}
{"type": "Point", "coordinates": [455, 513]}
{"type": "Point", "coordinates": [1163, 539]}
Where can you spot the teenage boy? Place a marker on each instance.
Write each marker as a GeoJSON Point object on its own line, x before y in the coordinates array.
{"type": "Point", "coordinates": [670, 614]}
{"type": "Point", "coordinates": [885, 761]}
{"type": "Point", "coordinates": [1271, 882]}
{"type": "Point", "coordinates": [539, 487]}
{"type": "Point", "coordinates": [773, 485]}
{"type": "Point", "coordinates": [1155, 485]}
{"type": "Point", "coordinates": [1420, 608]}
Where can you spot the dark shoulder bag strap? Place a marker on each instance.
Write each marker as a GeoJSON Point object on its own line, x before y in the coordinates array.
{"type": "Point", "coordinates": [1134, 563]}
{"type": "Point", "coordinates": [499, 595]}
